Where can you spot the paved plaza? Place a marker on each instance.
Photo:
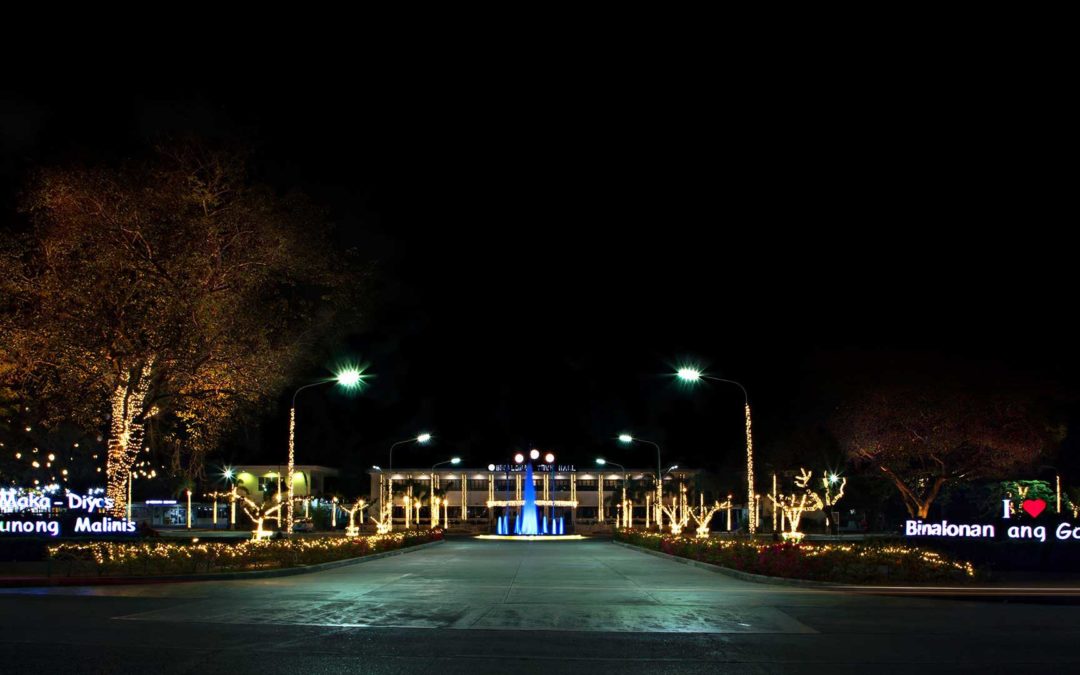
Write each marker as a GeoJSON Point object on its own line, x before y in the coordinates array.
{"type": "Point", "coordinates": [514, 607]}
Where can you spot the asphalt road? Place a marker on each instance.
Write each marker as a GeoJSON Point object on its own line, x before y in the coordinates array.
{"type": "Point", "coordinates": [519, 607]}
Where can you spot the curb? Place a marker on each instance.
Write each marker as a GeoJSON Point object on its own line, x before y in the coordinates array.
{"type": "Point", "coordinates": [737, 574]}
{"type": "Point", "coordinates": [36, 582]}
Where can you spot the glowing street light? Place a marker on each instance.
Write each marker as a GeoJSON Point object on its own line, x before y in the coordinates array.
{"type": "Point", "coordinates": [549, 458]}
{"type": "Point", "coordinates": [603, 462]}
{"type": "Point", "coordinates": [534, 454]}
{"type": "Point", "coordinates": [386, 498]}
{"type": "Point", "coordinates": [519, 458]}
{"type": "Point", "coordinates": [421, 439]}
{"type": "Point", "coordinates": [627, 438]}
{"type": "Point", "coordinates": [349, 378]}
{"type": "Point", "coordinates": [693, 375]}
{"type": "Point", "coordinates": [431, 491]}
{"type": "Point", "coordinates": [689, 374]}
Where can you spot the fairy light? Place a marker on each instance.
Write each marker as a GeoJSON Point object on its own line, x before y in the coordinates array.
{"type": "Point", "coordinates": [833, 555]}
{"type": "Point", "coordinates": [126, 433]}
{"type": "Point", "coordinates": [752, 520]}
{"type": "Point", "coordinates": [156, 557]}
{"type": "Point", "coordinates": [353, 530]}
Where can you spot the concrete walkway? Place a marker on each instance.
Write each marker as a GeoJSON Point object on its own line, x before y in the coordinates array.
{"type": "Point", "coordinates": [513, 607]}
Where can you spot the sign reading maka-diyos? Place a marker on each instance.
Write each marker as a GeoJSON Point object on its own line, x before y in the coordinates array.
{"type": "Point", "coordinates": [1028, 532]}
{"type": "Point", "coordinates": [38, 512]}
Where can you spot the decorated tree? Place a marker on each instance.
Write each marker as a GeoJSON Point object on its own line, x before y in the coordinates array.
{"type": "Point", "coordinates": [162, 299]}
{"type": "Point", "coordinates": [920, 438]}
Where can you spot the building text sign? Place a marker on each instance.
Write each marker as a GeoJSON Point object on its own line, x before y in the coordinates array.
{"type": "Point", "coordinates": [1033, 508]}
{"type": "Point", "coordinates": [33, 512]}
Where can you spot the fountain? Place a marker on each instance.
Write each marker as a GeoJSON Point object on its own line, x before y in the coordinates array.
{"type": "Point", "coordinates": [528, 525]}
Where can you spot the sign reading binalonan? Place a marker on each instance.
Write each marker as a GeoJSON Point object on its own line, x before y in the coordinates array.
{"type": "Point", "coordinates": [1032, 507]}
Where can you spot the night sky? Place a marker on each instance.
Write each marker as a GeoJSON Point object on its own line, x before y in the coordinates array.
{"type": "Point", "coordinates": [547, 254]}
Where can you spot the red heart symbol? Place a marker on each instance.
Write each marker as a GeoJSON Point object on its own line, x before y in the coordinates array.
{"type": "Point", "coordinates": [1034, 507]}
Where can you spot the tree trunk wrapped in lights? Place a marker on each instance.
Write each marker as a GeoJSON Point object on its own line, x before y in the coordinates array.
{"type": "Point", "coordinates": [126, 431]}
{"type": "Point", "coordinates": [353, 530]}
{"type": "Point", "coordinates": [794, 505]}
{"type": "Point", "coordinates": [259, 513]}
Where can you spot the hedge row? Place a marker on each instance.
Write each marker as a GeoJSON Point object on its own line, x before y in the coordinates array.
{"type": "Point", "coordinates": [156, 557]}
{"type": "Point", "coordinates": [846, 562]}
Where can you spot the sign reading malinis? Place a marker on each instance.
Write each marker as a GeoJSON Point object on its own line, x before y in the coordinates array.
{"type": "Point", "coordinates": [37, 512]}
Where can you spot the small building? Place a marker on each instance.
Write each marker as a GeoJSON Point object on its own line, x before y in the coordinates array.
{"type": "Point", "coordinates": [262, 481]}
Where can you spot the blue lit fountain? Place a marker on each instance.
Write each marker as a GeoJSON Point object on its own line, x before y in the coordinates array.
{"type": "Point", "coordinates": [528, 524]}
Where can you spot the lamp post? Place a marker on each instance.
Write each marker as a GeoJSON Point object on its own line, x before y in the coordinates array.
{"type": "Point", "coordinates": [694, 375]}
{"type": "Point", "coordinates": [627, 438]}
{"type": "Point", "coordinates": [350, 378]}
{"type": "Point", "coordinates": [602, 462]}
{"type": "Point", "coordinates": [431, 489]}
{"type": "Point", "coordinates": [549, 510]}
{"type": "Point", "coordinates": [388, 505]}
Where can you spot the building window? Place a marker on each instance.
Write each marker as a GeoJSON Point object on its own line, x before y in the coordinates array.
{"type": "Point", "coordinates": [477, 484]}
{"type": "Point", "coordinates": [585, 484]}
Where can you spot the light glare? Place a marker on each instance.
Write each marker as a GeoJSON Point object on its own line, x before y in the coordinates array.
{"type": "Point", "coordinates": [349, 378]}
{"type": "Point", "coordinates": [689, 374]}
{"type": "Point", "coordinates": [423, 438]}
{"type": "Point", "coordinates": [626, 438]}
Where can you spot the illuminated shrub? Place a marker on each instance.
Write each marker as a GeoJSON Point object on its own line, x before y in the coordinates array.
{"type": "Point", "coordinates": [165, 557]}
{"type": "Point", "coordinates": [850, 562]}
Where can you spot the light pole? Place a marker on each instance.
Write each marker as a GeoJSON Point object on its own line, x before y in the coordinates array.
{"type": "Point", "coordinates": [389, 505]}
{"type": "Point", "coordinates": [549, 510]}
{"type": "Point", "coordinates": [431, 488]}
{"type": "Point", "coordinates": [627, 438]}
{"type": "Point", "coordinates": [694, 375]}
{"type": "Point", "coordinates": [350, 378]}
{"type": "Point", "coordinates": [421, 439]}
{"type": "Point", "coordinates": [602, 462]}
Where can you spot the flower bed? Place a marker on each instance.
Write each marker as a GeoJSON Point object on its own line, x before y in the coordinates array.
{"type": "Point", "coordinates": [845, 562]}
{"type": "Point", "coordinates": [158, 558]}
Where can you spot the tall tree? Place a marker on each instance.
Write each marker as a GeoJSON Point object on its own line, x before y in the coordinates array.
{"type": "Point", "coordinates": [164, 297]}
{"type": "Point", "coordinates": [920, 438]}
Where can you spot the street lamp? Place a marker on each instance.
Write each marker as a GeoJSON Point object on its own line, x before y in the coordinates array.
{"type": "Point", "coordinates": [693, 375]}
{"type": "Point", "coordinates": [431, 491]}
{"type": "Point", "coordinates": [627, 438]}
{"type": "Point", "coordinates": [603, 462]}
{"type": "Point", "coordinates": [387, 505]}
{"type": "Point", "coordinates": [349, 378]}
{"type": "Point", "coordinates": [421, 439]}
{"type": "Point", "coordinates": [455, 460]}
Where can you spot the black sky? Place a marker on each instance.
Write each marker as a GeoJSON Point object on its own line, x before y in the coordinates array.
{"type": "Point", "coordinates": [549, 252]}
